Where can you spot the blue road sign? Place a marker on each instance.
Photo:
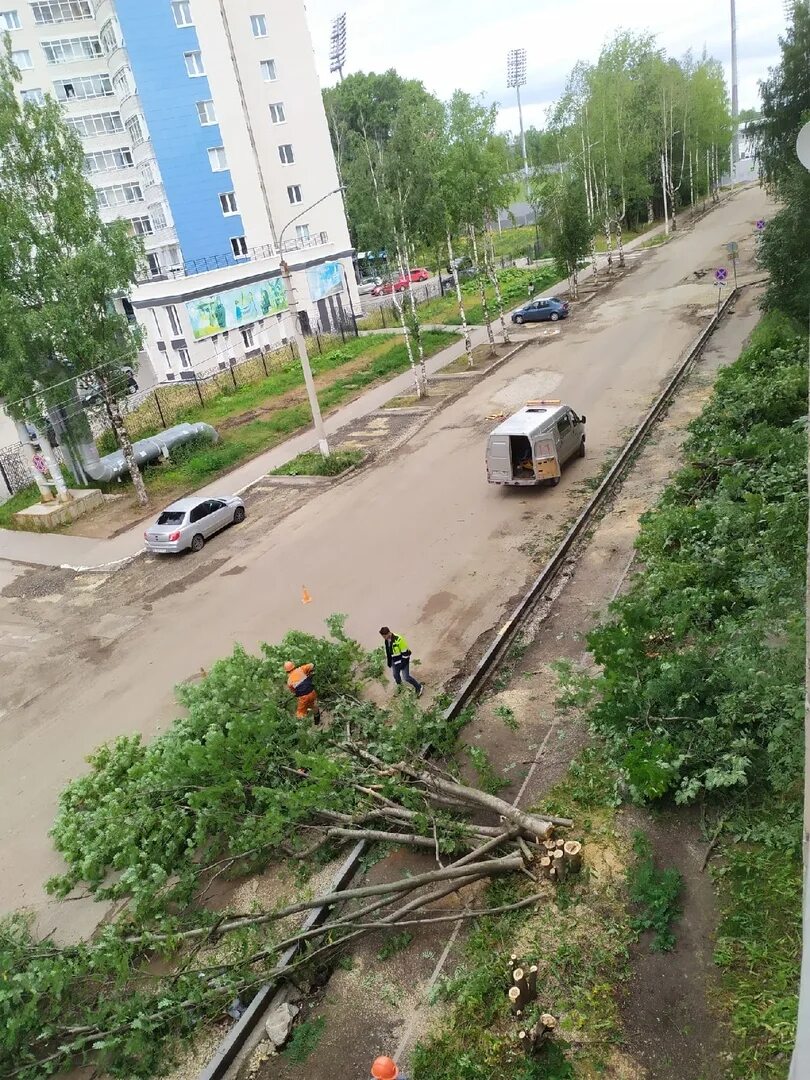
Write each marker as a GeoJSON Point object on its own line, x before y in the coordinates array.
{"type": "Point", "coordinates": [720, 274]}
{"type": "Point", "coordinates": [761, 224]}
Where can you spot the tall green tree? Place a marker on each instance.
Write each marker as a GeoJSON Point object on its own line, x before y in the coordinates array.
{"type": "Point", "coordinates": [785, 244]}
{"type": "Point", "coordinates": [61, 267]}
{"type": "Point", "coordinates": [566, 224]}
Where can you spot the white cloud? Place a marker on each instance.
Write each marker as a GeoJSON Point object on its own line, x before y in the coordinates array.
{"type": "Point", "coordinates": [453, 44]}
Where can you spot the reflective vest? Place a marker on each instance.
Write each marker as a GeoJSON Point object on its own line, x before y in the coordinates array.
{"type": "Point", "coordinates": [300, 680]}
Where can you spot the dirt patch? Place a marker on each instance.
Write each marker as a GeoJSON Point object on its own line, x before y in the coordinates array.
{"type": "Point", "coordinates": [665, 1005]}
{"type": "Point", "coordinates": [482, 357]}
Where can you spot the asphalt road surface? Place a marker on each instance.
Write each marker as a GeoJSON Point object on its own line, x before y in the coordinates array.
{"type": "Point", "coordinates": [420, 542]}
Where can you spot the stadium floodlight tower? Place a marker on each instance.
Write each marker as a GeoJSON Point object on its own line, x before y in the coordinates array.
{"type": "Point", "coordinates": [516, 77]}
{"type": "Point", "coordinates": [337, 45]}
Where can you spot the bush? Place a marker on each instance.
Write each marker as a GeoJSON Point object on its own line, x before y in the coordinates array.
{"type": "Point", "coordinates": [702, 660]}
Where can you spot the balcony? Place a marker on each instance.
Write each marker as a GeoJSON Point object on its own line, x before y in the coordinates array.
{"type": "Point", "coordinates": [221, 262]}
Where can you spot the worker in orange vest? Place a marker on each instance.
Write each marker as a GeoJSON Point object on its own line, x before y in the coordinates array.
{"type": "Point", "coordinates": [299, 682]}
{"type": "Point", "coordinates": [384, 1068]}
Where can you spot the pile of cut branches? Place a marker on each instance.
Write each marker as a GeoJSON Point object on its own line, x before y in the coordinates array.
{"type": "Point", "coordinates": [237, 783]}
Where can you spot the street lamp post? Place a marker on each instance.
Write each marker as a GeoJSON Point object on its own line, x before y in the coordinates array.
{"type": "Point", "coordinates": [300, 342]}
{"type": "Point", "coordinates": [516, 77]}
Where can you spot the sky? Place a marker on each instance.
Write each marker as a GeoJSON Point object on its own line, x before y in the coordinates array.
{"type": "Point", "coordinates": [462, 44]}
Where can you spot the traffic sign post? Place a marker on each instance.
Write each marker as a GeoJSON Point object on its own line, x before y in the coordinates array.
{"type": "Point", "coordinates": [720, 276]}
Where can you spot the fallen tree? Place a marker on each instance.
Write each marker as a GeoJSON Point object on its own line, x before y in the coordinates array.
{"type": "Point", "coordinates": [236, 783]}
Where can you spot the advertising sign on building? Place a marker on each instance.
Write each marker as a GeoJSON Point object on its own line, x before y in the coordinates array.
{"type": "Point", "coordinates": [324, 280]}
{"type": "Point", "coordinates": [233, 308]}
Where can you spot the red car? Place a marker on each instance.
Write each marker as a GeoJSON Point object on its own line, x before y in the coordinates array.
{"type": "Point", "coordinates": [419, 273]}
{"type": "Point", "coordinates": [385, 288]}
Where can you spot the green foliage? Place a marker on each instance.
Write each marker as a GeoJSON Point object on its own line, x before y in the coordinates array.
{"type": "Point", "coordinates": [315, 464]}
{"type": "Point", "coordinates": [702, 659]}
{"type": "Point", "coordinates": [488, 778]}
{"type": "Point", "coordinates": [60, 265]}
{"type": "Point", "coordinates": [564, 221]}
{"type": "Point", "coordinates": [393, 944]}
{"type": "Point", "coordinates": [656, 893]}
{"type": "Point", "coordinates": [758, 945]}
{"type": "Point", "coordinates": [305, 1039]}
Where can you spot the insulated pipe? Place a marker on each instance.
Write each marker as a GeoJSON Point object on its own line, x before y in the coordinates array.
{"type": "Point", "coordinates": [112, 466]}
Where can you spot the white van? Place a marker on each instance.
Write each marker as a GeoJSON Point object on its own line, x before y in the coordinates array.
{"type": "Point", "coordinates": [533, 444]}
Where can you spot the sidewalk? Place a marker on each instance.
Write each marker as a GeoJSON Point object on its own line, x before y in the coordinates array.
{"type": "Point", "coordinates": [85, 553]}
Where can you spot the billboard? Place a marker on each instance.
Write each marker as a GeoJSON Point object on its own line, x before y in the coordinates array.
{"type": "Point", "coordinates": [324, 280]}
{"type": "Point", "coordinates": [233, 308]}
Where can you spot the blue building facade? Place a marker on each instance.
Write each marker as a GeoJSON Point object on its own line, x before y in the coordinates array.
{"type": "Point", "coordinates": [160, 54]}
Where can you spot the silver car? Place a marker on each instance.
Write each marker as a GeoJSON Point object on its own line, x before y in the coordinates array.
{"type": "Point", "coordinates": [188, 523]}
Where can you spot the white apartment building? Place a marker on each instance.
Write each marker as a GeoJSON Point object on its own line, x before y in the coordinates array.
{"type": "Point", "coordinates": [203, 125]}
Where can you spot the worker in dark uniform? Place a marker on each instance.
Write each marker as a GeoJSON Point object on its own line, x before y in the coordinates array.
{"type": "Point", "coordinates": [398, 656]}
{"type": "Point", "coordinates": [299, 682]}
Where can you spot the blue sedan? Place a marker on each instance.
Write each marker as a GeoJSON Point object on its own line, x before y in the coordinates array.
{"type": "Point", "coordinates": [550, 309]}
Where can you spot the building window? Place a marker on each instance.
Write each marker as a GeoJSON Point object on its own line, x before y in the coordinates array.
{"type": "Point", "coordinates": [185, 359]}
{"type": "Point", "coordinates": [108, 123]}
{"type": "Point", "coordinates": [57, 11]}
{"type": "Point", "coordinates": [135, 130]}
{"type": "Point", "coordinates": [119, 195]}
{"type": "Point", "coordinates": [181, 9]}
{"type": "Point", "coordinates": [82, 87]}
{"type": "Point", "coordinates": [158, 215]}
{"type": "Point", "coordinates": [108, 37]}
{"type": "Point", "coordinates": [108, 160]}
{"type": "Point", "coordinates": [294, 193]}
{"type": "Point", "coordinates": [141, 226]}
{"type": "Point", "coordinates": [258, 25]}
{"type": "Point", "coordinates": [285, 153]}
{"type": "Point", "coordinates": [35, 96]}
{"type": "Point", "coordinates": [153, 262]}
{"type": "Point", "coordinates": [239, 246]}
{"type": "Point", "coordinates": [22, 59]}
{"type": "Point", "coordinates": [217, 159]}
{"type": "Point", "coordinates": [247, 337]}
{"type": "Point", "coordinates": [148, 173]}
{"type": "Point", "coordinates": [172, 255]}
{"type": "Point", "coordinates": [302, 232]}
{"type": "Point", "coordinates": [122, 83]}
{"type": "Point", "coordinates": [269, 70]}
{"type": "Point", "coordinates": [9, 20]}
{"type": "Point", "coordinates": [227, 201]}
{"type": "Point", "coordinates": [277, 115]}
{"type": "Point", "coordinates": [67, 50]}
{"type": "Point", "coordinates": [194, 64]}
{"type": "Point", "coordinates": [174, 320]}
{"type": "Point", "coordinates": [205, 112]}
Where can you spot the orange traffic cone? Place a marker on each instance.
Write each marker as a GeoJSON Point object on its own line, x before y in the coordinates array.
{"type": "Point", "coordinates": [305, 597]}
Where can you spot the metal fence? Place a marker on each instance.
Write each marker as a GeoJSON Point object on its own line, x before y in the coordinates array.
{"type": "Point", "coordinates": [15, 473]}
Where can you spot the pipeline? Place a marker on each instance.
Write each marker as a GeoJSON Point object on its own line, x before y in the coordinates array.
{"type": "Point", "coordinates": [112, 466]}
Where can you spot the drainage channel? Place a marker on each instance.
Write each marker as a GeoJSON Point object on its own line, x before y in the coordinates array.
{"type": "Point", "coordinates": [229, 1049]}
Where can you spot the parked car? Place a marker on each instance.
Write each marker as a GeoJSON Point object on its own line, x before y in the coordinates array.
{"type": "Point", "coordinates": [463, 262]}
{"type": "Point", "coordinates": [385, 288]}
{"type": "Point", "coordinates": [419, 273]}
{"type": "Point", "coordinates": [368, 285]}
{"type": "Point", "coordinates": [540, 310]}
{"type": "Point", "coordinates": [188, 523]}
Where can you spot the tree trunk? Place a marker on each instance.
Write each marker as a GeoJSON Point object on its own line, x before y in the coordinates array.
{"type": "Point", "coordinates": [608, 241]}
{"type": "Point", "coordinates": [45, 493]}
{"type": "Point", "coordinates": [405, 271]}
{"type": "Point", "coordinates": [650, 212]}
{"type": "Point", "coordinates": [691, 185]}
{"type": "Point", "coordinates": [482, 283]}
{"type": "Point", "coordinates": [574, 279]}
{"type": "Point", "coordinates": [464, 328]}
{"type": "Point", "coordinates": [124, 440]}
{"type": "Point", "coordinates": [664, 193]}
{"type": "Point", "coordinates": [403, 322]}
{"type": "Point", "coordinates": [493, 273]}
{"type": "Point", "coordinates": [54, 468]}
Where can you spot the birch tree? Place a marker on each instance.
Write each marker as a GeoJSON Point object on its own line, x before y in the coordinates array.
{"type": "Point", "coordinates": [60, 265]}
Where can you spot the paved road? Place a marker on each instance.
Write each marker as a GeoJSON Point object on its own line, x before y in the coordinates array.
{"type": "Point", "coordinates": [421, 543]}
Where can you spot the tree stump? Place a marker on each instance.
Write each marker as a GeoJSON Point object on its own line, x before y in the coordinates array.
{"type": "Point", "coordinates": [515, 1000]}
{"type": "Point", "coordinates": [573, 856]}
{"type": "Point", "coordinates": [558, 862]}
{"type": "Point", "coordinates": [522, 983]}
{"type": "Point", "coordinates": [531, 979]}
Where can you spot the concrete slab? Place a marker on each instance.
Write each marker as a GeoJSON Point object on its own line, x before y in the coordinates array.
{"type": "Point", "coordinates": [45, 517]}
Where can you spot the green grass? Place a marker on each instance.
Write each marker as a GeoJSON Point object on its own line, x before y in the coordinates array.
{"type": "Point", "coordinates": [304, 1041]}
{"type": "Point", "coordinates": [315, 464]}
{"type": "Point", "coordinates": [21, 501]}
{"type": "Point", "coordinates": [656, 895]}
{"type": "Point", "coordinates": [656, 241]}
{"type": "Point", "coordinates": [759, 938]}
{"type": "Point", "coordinates": [387, 357]}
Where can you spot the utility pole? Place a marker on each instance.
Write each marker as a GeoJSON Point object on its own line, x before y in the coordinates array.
{"type": "Point", "coordinates": [735, 105]}
{"type": "Point", "coordinates": [516, 77]}
{"type": "Point", "coordinates": [300, 341]}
